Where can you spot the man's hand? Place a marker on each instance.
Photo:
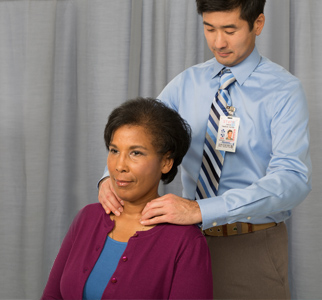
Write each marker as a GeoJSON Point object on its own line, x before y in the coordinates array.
{"type": "Point", "coordinates": [171, 209]}
{"type": "Point", "coordinates": [108, 198]}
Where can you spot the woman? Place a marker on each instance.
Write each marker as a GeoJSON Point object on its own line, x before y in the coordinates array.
{"type": "Point", "coordinates": [115, 257]}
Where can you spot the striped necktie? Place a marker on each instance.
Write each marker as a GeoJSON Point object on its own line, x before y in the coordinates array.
{"type": "Point", "coordinates": [212, 160]}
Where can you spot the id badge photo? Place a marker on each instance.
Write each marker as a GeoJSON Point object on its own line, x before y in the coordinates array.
{"type": "Point", "coordinates": [227, 133]}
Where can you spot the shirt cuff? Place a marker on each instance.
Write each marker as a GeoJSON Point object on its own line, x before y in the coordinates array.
{"type": "Point", "coordinates": [105, 174]}
{"type": "Point", "coordinates": [213, 212]}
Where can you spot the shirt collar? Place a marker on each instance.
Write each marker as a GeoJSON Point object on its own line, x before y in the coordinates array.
{"type": "Point", "coordinates": [243, 70]}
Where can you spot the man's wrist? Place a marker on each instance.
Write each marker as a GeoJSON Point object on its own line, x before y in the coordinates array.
{"type": "Point", "coordinates": [101, 181]}
{"type": "Point", "coordinates": [197, 210]}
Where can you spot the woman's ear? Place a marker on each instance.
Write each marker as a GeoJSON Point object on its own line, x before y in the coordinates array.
{"type": "Point", "coordinates": [166, 163]}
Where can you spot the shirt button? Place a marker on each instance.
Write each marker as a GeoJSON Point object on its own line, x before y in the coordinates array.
{"type": "Point", "coordinates": [124, 258]}
{"type": "Point", "coordinates": [214, 224]}
{"type": "Point", "coordinates": [97, 248]}
{"type": "Point", "coordinates": [135, 234]}
{"type": "Point", "coordinates": [114, 280]}
{"type": "Point", "coordinates": [85, 270]}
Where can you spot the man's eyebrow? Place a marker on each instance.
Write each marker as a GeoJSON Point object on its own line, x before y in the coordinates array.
{"type": "Point", "coordinates": [225, 26]}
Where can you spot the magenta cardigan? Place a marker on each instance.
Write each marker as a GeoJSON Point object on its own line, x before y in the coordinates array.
{"type": "Point", "coordinates": [165, 262]}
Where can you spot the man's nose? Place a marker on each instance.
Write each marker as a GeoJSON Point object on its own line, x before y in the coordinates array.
{"type": "Point", "coordinates": [220, 40]}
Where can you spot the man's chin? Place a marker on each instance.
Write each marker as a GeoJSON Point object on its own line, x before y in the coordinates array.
{"type": "Point", "coordinates": [225, 61]}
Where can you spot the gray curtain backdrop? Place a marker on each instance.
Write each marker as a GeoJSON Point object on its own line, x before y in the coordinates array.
{"type": "Point", "coordinates": [65, 64]}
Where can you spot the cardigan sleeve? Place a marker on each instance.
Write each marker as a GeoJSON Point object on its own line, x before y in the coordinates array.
{"type": "Point", "coordinates": [52, 289]}
{"type": "Point", "coordinates": [193, 276]}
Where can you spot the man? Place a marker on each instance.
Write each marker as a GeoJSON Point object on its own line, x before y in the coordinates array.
{"type": "Point", "coordinates": [229, 135]}
{"type": "Point", "coordinates": [267, 175]}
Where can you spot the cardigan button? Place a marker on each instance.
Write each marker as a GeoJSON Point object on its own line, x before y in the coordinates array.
{"type": "Point", "coordinates": [135, 234]}
{"type": "Point", "coordinates": [124, 258]}
{"type": "Point", "coordinates": [114, 280]}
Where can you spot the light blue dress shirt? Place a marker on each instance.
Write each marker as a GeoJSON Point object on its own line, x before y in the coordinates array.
{"type": "Point", "coordinates": [270, 172]}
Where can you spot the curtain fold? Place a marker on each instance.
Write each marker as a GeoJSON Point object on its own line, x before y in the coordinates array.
{"type": "Point", "coordinates": [305, 235]}
{"type": "Point", "coordinates": [65, 64]}
{"type": "Point", "coordinates": [135, 49]}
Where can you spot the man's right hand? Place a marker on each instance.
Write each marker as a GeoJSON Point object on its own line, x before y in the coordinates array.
{"type": "Point", "coordinates": [108, 198]}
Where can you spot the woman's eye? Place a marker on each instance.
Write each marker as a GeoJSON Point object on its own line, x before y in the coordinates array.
{"type": "Point", "coordinates": [136, 153]}
{"type": "Point", "coordinates": [112, 150]}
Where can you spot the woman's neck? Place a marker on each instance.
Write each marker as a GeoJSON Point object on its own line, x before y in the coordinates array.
{"type": "Point", "coordinates": [134, 209]}
{"type": "Point", "coordinates": [128, 223]}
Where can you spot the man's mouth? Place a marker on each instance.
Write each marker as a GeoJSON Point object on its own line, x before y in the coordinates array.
{"type": "Point", "coordinates": [223, 54]}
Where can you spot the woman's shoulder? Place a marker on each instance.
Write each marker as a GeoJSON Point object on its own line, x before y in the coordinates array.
{"type": "Point", "coordinates": [91, 213]}
{"type": "Point", "coordinates": [92, 208]}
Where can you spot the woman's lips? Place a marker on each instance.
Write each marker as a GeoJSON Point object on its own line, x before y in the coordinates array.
{"type": "Point", "coordinates": [122, 183]}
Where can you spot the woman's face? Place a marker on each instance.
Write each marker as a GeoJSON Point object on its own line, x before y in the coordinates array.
{"type": "Point", "coordinates": [135, 166]}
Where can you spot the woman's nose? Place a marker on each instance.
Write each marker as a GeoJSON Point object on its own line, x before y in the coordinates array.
{"type": "Point", "coordinates": [121, 165]}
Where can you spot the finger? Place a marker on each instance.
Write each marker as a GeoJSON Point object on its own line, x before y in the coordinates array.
{"type": "Point", "coordinates": [104, 200]}
{"type": "Point", "coordinates": [116, 196]}
{"type": "Point", "coordinates": [155, 220]}
{"type": "Point", "coordinates": [108, 198]}
{"type": "Point", "coordinates": [107, 210]}
{"type": "Point", "coordinates": [149, 210]}
{"type": "Point", "coordinates": [114, 205]}
{"type": "Point", "coordinates": [153, 204]}
{"type": "Point", "coordinates": [153, 213]}
{"type": "Point", "coordinates": [113, 209]}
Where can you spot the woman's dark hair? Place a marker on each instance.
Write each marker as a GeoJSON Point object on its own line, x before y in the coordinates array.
{"type": "Point", "coordinates": [170, 133]}
{"type": "Point", "coordinates": [249, 9]}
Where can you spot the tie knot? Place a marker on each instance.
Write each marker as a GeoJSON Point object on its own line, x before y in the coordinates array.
{"type": "Point", "coordinates": [226, 78]}
{"type": "Point", "coordinates": [224, 71]}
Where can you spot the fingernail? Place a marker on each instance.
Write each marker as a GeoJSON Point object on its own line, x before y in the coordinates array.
{"type": "Point", "coordinates": [117, 213]}
{"type": "Point", "coordinates": [120, 209]}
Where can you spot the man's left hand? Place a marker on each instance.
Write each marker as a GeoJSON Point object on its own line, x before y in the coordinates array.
{"type": "Point", "coordinates": [171, 209]}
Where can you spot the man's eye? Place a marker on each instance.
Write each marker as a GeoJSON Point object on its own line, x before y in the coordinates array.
{"type": "Point", "coordinates": [230, 32]}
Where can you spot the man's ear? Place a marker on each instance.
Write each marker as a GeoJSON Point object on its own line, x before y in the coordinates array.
{"type": "Point", "coordinates": [166, 163]}
{"type": "Point", "coordinates": [259, 24]}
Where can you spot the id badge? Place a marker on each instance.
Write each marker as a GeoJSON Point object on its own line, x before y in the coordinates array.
{"type": "Point", "coordinates": [227, 133]}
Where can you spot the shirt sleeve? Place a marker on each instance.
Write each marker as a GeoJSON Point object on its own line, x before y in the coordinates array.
{"type": "Point", "coordinates": [193, 276]}
{"type": "Point", "coordinates": [288, 176]}
{"type": "Point", "coordinates": [105, 174]}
